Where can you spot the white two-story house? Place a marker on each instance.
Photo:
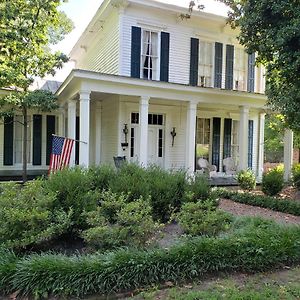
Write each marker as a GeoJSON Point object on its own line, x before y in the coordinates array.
{"type": "Point", "coordinates": [156, 88]}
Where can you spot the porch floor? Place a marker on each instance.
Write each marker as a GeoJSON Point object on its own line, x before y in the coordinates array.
{"type": "Point", "coordinates": [222, 181]}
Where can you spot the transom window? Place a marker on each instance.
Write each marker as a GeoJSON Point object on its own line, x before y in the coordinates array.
{"type": "Point", "coordinates": [149, 55]}
{"type": "Point", "coordinates": [153, 119]}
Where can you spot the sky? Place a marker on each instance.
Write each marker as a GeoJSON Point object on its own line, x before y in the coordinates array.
{"type": "Point", "coordinates": [82, 11]}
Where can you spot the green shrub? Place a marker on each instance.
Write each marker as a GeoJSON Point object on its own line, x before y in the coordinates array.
{"type": "Point", "coordinates": [296, 176]}
{"type": "Point", "coordinates": [27, 215]}
{"type": "Point", "coordinates": [73, 191]}
{"type": "Point", "coordinates": [102, 176]}
{"type": "Point", "coordinates": [8, 261]}
{"type": "Point", "coordinates": [117, 223]}
{"type": "Point", "coordinates": [198, 189]}
{"type": "Point", "coordinates": [259, 247]}
{"type": "Point", "coordinates": [246, 180]}
{"type": "Point", "coordinates": [203, 218]}
{"type": "Point", "coordinates": [272, 181]}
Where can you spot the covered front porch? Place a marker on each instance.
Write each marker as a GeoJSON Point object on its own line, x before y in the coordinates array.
{"type": "Point", "coordinates": [166, 124]}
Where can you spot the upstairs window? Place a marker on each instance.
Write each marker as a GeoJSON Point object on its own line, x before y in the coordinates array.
{"type": "Point", "coordinates": [240, 69]}
{"type": "Point", "coordinates": [149, 60]}
{"type": "Point", "coordinates": [205, 64]}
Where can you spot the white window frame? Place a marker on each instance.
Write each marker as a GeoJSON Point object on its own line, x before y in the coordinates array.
{"type": "Point", "coordinates": [206, 66]}
{"type": "Point", "coordinates": [155, 75]}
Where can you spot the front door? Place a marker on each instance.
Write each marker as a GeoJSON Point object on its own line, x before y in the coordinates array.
{"type": "Point", "coordinates": [156, 145]}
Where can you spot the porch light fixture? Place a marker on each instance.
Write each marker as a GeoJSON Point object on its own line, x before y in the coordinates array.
{"type": "Point", "coordinates": [173, 134]}
{"type": "Point", "coordinates": [125, 131]}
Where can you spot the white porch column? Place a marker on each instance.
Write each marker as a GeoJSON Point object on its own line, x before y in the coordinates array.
{"type": "Point", "coordinates": [61, 121]}
{"type": "Point", "coordinates": [288, 153]}
{"type": "Point", "coordinates": [190, 136]}
{"type": "Point", "coordinates": [261, 146]}
{"type": "Point", "coordinates": [72, 127]}
{"type": "Point", "coordinates": [144, 107]}
{"type": "Point", "coordinates": [84, 130]}
{"type": "Point", "coordinates": [98, 133]}
{"type": "Point", "coordinates": [243, 138]}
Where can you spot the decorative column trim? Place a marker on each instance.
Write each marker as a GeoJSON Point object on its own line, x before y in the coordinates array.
{"type": "Point", "coordinates": [72, 127]}
{"type": "Point", "coordinates": [288, 153]}
{"type": "Point", "coordinates": [261, 146]}
{"type": "Point", "coordinates": [144, 108]}
{"type": "Point", "coordinates": [84, 128]}
{"type": "Point", "coordinates": [243, 137]}
{"type": "Point", "coordinates": [190, 136]}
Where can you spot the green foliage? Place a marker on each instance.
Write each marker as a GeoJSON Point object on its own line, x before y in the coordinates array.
{"type": "Point", "coordinates": [27, 215]}
{"type": "Point", "coordinates": [272, 181]}
{"type": "Point", "coordinates": [198, 189]}
{"type": "Point", "coordinates": [117, 223]}
{"type": "Point", "coordinates": [7, 269]}
{"type": "Point", "coordinates": [276, 204]}
{"type": "Point", "coordinates": [246, 180]}
{"type": "Point", "coordinates": [296, 176]}
{"type": "Point", "coordinates": [102, 177]}
{"type": "Point", "coordinates": [276, 23]}
{"type": "Point", "coordinates": [259, 247]}
{"type": "Point", "coordinates": [73, 191]}
{"type": "Point", "coordinates": [202, 218]}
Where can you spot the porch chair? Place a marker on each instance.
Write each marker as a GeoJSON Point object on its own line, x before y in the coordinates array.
{"type": "Point", "coordinates": [206, 167]}
{"type": "Point", "coordinates": [119, 161]}
{"type": "Point", "coordinates": [229, 166]}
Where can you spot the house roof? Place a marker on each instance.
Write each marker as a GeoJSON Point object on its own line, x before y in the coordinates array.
{"type": "Point", "coordinates": [108, 5]}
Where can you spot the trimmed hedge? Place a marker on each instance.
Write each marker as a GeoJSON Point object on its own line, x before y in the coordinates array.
{"type": "Point", "coordinates": [258, 247]}
{"type": "Point", "coordinates": [282, 205]}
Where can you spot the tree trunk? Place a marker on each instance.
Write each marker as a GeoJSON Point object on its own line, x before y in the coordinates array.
{"type": "Point", "coordinates": [25, 126]}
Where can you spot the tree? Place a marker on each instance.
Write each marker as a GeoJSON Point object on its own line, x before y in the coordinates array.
{"type": "Point", "coordinates": [27, 29]}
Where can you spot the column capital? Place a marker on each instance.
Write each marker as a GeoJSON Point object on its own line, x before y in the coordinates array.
{"type": "Point", "coordinates": [71, 103]}
{"type": "Point", "coordinates": [244, 109]}
{"type": "Point", "coordinates": [144, 100]}
{"type": "Point", "coordinates": [192, 105]}
{"type": "Point", "coordinates": [262, 114]}
{"type": "Point", "coordinates": [84, 95]}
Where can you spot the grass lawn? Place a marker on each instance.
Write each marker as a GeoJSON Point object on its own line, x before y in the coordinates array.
{"type": "Point", "coordinates": [282, 284]}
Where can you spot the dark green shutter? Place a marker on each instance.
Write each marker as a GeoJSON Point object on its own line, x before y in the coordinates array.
{"type": "Point", "coordinates": [77, 133]}
{"type": "Point", "coordinates": [8, 155]}
{"type": "Point", "coordinates": [50, 131]}
{"type": "Point", "coordinates": [251, 72]}
{"type": "Point", "coordinates": [229, 67]}
{"type": "Point", "coordinates": [250, 144]}
{"type": "Point", "coordinates": [194, 59]}
{"type": "Point", "coordinates": [135, 52]}
{"type": "Point", "coordinates": [37, 140]}
{"type": "Point", "coordinates": [164, 56]}
{"type": "Point", "coordinates": [227, 138]}
{"type": "Point", "coordinates": [218, 64]}
{"type": "Point", "coordinates": [216, 142]}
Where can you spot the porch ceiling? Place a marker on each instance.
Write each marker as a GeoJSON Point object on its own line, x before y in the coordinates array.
{"type": "Point", "coordinates": [103, 85]}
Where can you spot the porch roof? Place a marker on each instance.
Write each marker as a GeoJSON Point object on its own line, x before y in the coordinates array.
{"type": "Point", "coordinates": [85, 80]}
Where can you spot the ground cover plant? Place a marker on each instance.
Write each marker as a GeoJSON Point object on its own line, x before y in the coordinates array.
{"type": "Point", "coordinates": [276, 204]}
{"type": "Point", "coordinates": [255, 245]}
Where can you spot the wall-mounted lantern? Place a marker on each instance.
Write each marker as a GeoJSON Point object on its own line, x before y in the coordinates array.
{"type": "Point", "coordinates": [173, 134]}
{"type": "Point", "coordinates": [125, 131]}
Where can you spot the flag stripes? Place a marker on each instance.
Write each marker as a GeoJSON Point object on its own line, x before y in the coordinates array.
{"type": "Point", "coordinates": [61, 153]}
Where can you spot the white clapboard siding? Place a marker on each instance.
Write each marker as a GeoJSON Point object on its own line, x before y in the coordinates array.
{"type": "Point", "coordinates": [102, 55]}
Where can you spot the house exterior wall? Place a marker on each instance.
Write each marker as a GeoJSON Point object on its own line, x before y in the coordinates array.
{"type": "Point", "coordinates": [102, 53]}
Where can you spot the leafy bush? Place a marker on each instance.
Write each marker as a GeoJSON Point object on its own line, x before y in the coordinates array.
{"type": "Point", "coordinates": [258, 247]}
{"type": "Point", "coordinates": [296, 176]}
{"type": "Point", "coordinates": [246, 180]}
{"type": "Point", "coordinates": [165, 189]}
{"type": "Point", "coordinates": [276, 204]}
{"type": "Point", "coordinates": [73, 191]}
{"type": "Point", "coordinates": [198, 189]}
{"type": "Point", "coordinates": [203, 218]}
{"type": "Point", "coordinates": [27, 215]}
{"type": "Point", "coordinates": [272, 181]}
{"type": "Point", "coordinates": [117, 223]}
{"type": "Point", "coordinates": [102, 177]}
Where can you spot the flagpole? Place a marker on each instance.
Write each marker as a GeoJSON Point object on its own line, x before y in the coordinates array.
{"type": "Point", "coordinates": [70, 139]}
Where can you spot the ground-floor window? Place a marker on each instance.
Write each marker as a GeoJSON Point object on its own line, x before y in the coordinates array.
{"type": "Point", "coordinates": [203, 139]}
{"type": "Point", "coordinates": [235, 141]}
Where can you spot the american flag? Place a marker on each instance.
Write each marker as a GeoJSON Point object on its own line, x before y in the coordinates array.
{"type": "Point", "coordinates": [61, 152]}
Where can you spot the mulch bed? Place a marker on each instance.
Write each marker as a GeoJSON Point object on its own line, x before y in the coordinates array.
{"type": "Point", "coordinates": [239, 209]}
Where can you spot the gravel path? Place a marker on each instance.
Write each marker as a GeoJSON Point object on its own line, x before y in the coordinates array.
{"type": "Point", "coordinates": [248, 210]}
